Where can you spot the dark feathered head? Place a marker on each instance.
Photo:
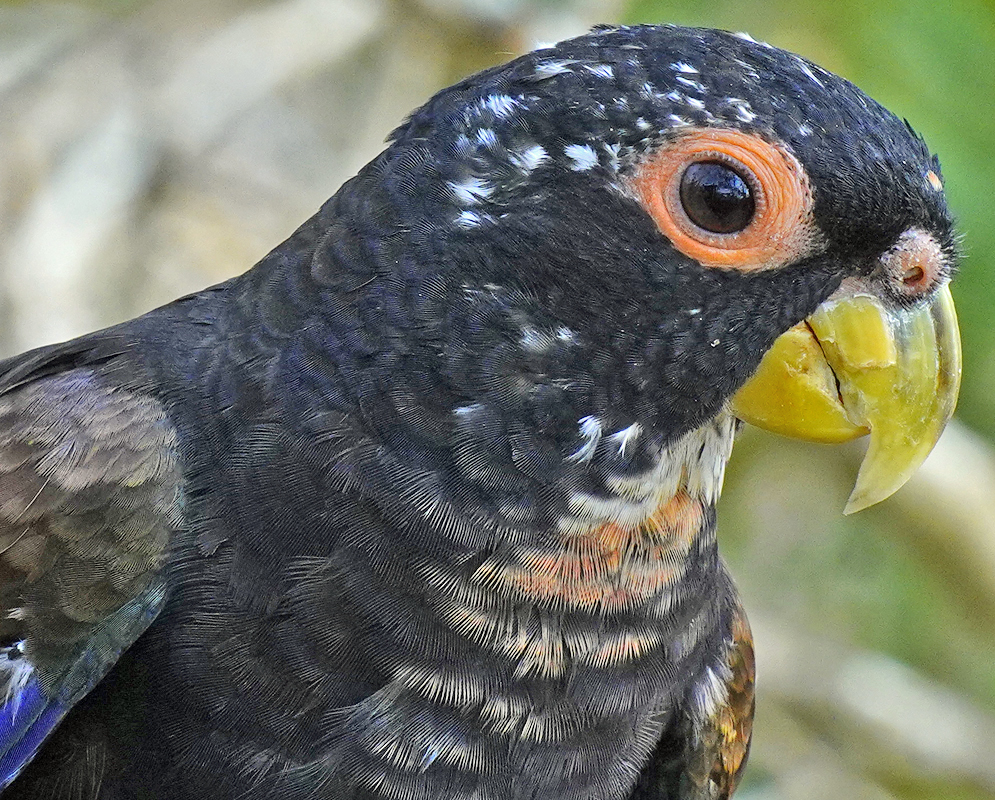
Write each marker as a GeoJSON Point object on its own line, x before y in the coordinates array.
{"type": "Point", "coordinates": [617, 228]}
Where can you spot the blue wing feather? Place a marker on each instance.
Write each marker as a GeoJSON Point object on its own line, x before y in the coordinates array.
{"type": "Point", "coordinates": [26, 720]}
{"type": "Point", "coordinates": [29, 713]}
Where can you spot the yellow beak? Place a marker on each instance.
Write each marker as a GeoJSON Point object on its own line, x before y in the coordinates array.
{"type": "Point", "coordinates": [857, 367]}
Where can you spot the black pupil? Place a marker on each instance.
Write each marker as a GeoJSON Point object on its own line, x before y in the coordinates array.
{"type": "Point", "coordinates": [715, 197]}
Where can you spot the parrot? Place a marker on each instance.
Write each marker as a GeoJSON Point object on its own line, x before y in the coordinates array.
{"type": "Point", "coordinates": [423, 505]}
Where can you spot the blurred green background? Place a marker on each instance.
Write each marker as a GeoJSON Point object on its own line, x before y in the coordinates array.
{"type": "Point", "coordinates": [150, 148]}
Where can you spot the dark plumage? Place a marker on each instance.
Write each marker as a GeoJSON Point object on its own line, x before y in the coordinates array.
{"type": "Point", "coordinates": [422, 506]}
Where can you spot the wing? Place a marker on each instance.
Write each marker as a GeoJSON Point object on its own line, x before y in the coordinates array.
{"type": "Point", "coordinates": [721, 741]}
{"type": "Point", "coordinates": [89, 495]}
{"type": "Point", "coordinates": [703, 755]}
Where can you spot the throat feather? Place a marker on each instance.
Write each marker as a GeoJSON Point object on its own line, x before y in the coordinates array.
{"type": "Point", "coordinates": [610, 585]}
{"type": "Point", "coordinates": [618, 553]}
{"type": "Point", "coordinates": [608, 569]}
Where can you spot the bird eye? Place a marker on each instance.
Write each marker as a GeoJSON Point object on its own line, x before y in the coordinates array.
{"type": "Point", "coordinates": [728, 199]}
{"type": "Point", "coordinates": [716, 197]}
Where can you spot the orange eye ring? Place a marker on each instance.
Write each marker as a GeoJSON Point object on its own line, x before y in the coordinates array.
{"type": "Point", "coordinates": [782, 228]}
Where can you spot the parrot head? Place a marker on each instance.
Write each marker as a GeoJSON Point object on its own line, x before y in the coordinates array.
{"type": "Point", "coordinates": [635, 231]}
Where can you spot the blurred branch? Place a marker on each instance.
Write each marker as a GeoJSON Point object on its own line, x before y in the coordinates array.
{"type": "Point", "coordinates": [82, 203]}
{"type": "Point", "coordinates": [799, 763]}
{"type": "Point", "coordinates": [950, 504]}
{"type": "Point", "coordinates": [31, 39]}
{"type": "Point", "coordinates": [256, 53]}
{"type": "Point", "coordinates": [895, 722]}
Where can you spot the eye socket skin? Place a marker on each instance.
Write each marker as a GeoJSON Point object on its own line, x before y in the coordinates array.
{"type": "Point", "coordinates": [716, 197]}
{"type": "Point", "coordinates": [781, 228]}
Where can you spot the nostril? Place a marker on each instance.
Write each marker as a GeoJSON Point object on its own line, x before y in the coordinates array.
{"type": "Point", "coordinates": [916, 265]}
{"type": "Point", "coordinates": [914, 276]}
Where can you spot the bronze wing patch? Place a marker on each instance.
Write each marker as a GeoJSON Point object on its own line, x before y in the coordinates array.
{"type": "Point", "coordinates": [89, 497]}
{"type": "Point", "coordinates": [703, 751]}
{"type": "Point", "coordinates": [720, 744]}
